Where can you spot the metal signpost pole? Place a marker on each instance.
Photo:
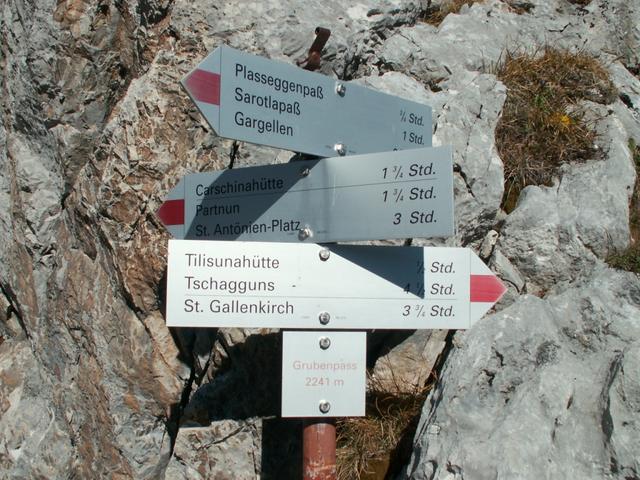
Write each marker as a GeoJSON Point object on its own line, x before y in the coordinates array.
{"type": "Point", "coordinates": [319, 449]}
{"type": "Point", "coordinates": [318, 434]}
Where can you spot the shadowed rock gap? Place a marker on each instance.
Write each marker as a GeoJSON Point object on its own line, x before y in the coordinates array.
{"type": "Point", "coordinates": [401, 455]}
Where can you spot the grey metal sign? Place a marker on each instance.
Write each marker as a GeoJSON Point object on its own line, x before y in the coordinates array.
{"type": "Point", "coordinates": [285, 285]}
{"type": "Point", "coordinates": [323, 374]}
{"type": "Point", "coordinates": [364, 197]}
{"type": "Point", "coordinates": [262, 101]}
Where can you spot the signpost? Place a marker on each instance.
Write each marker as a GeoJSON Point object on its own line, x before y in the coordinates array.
{"type": "Point", "coordinates": [374, 196]}
{"type": "Point", "coordinates": [279, 285]}
{"type": "Point", "coordinates": [267, 102]}
{"type": "Point", "coordinates": [302, 285]}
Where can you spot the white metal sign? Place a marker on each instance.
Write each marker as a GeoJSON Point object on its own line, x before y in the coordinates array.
{"type": "Point", "coordinates": [267, 102]}
{"type": "Point", "coordinates": [323, 374]}
{"type": "Point", "coordinates": [364, 197]}
{"type": "Point", "coordinates": [283, 285]}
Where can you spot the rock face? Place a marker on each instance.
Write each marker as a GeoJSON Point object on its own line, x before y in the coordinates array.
{"type": "Point", "coordinates": [545, 388]}
{"type": "Point", "coordinates": [95, 129]}
{"type": "Point", "coordinates": [407, 367]}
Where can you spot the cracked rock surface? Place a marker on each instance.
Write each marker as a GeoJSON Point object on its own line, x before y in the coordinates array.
{"type": "Point", "coordinates": [546, 386]}
{"type": "Point", "coordinates": [95, 130]}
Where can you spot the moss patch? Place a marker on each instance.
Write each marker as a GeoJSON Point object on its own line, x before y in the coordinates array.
{"type": "Point", "coordinates": [628, 260]}
{"type": "Point", "coordinates": [542, 125]}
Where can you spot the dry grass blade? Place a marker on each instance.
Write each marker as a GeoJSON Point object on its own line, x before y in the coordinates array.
{"type": "Point", "coordinates": [628, 260]}
{"type": "Point", "coordinates": [435, 15]}
{"type": "Point", "coordinates": [366, 445]}
{"type": "Point", "coordinates": [542, 125]}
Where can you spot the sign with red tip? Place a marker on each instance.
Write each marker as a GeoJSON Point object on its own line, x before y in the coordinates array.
{"type": "Point", "coordinates": [307, 286]}
{"type": "Point", "coordinates": [267, 102]}
{"type": "Point", "coordinates": [387, 195]}
{"type": "Point", "coordinates": [171, 212]}
{"type": "Point", "coordinates": [486, 288]}
{"type": "Point", "coordinates": [203, 86]}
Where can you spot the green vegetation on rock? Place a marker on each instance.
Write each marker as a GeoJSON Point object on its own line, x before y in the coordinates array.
{"type": "Point", "coordinates": [542, 124]}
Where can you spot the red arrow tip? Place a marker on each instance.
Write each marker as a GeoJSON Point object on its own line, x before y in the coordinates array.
{"type": "Point", "coordinates": [486, 288]}
{"type": "Point", "coordinates": [171, 212]}
{"type": "Point", "coordinates": [204, 86]}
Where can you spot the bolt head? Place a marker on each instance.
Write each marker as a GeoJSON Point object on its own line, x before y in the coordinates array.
{"type": "Point", "coordinates": [305, 172]}
{"type": "Point", "coordinates": [324, 318]}
{"type": "Point", "coordinates": [324, 342]}
{"type": "Point", "coordinates": [324, 254]}
{"type": "Point", "coordinates": [304, 233]}
{"type": "Point", "coordinates": [324, 406]}
{"type": "Point", "coordinates": [341, 89]}
{"type": "Point", "coordinates": [340, 149]}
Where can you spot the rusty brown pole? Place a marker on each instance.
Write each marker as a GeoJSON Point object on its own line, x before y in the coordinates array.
{"type": "Point", "coordinates": [319, 449]}
{"type": "Point", "coordinates": [312, 62]}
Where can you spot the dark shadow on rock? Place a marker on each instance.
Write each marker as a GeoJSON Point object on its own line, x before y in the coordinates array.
{"type": "Point", "coordinates": [247, 384]}
{"type": "Point", "coordinates": [191, 342]}
{"type": "Point", "coordinates": [253, 201]}
{"type": "Point", "coordinates": [161, 293]}
{"type": "Point", "coordinates": [281, 449]}
{"type": "Point", "coordinates": [381, 342]}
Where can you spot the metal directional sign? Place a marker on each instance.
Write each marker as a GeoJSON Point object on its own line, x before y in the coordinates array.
{"type": "Point", "coordinates": [258, 100]}
{"type": "Point", "coordinates": [364, 197]}
{"type": "Point", "coordinates": [324, 374]}
{"type": "Point", "coordinates": [284, 285]}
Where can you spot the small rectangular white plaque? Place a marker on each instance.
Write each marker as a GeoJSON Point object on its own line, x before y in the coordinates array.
{"type": "Point", "coordinates": [323, 374]}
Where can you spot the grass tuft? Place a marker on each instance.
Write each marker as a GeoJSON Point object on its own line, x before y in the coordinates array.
{"type": "Point", "coordinates": [367, 446]}
{"type": "Point", "coordinates": [436, 14]}
{"type": "Point", "coordinates": [542, 125]}
{"type": "Point", "coordinates": [629, 259]}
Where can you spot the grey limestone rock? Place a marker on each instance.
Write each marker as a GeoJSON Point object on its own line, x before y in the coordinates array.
{"type": "Point", "coordinates": [467, 121]}
{"type": "Point", "coordinates": [96, 129]}
{"type": "Point", "coordinates": [225, 450]}
{"type": "Point", "coordinates": [627, 108]}
{"type": "Point", "coordinates": [556, 233]}
{"type": "Point", "coordinates": [510, 276]}
{"type": "Point", "coordinates": [407, 367]}
{"type": "Point", "coordinates": [91, 375]}
{"type": "Point", "coordinates": [541, 389]}
{"type": "Point", "coordinates": [34, 441]}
